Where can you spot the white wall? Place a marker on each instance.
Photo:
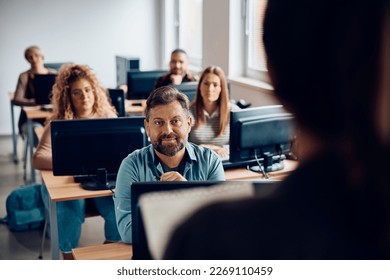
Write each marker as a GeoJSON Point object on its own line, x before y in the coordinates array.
{"type": "Point", "coordinates": [89, 31]}
{"type": "Point", "coordinates": [216, 34]}
{"type": "Point", "coordinates": [94, 31]}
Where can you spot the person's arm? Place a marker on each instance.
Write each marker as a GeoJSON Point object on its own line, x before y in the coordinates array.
{"type": "Point", "coordinates": [191, 77]}
{"type": "Point", "coordinates": [42, 159]}
{"type": "Point", "coordinates": [163, 81]}
{"type": "Point", "coordinates": [220, 151]}
{"type": "Point", "coordinates": [216, 171]}
{"type": "Point", "coordinates": [20, 92]}
{"type": "Point", "coordinates": [176, 79]}
{"type": "Point", "coordinates": [111, 114]}
{"type": "Point", "coordinates": [127, 174]}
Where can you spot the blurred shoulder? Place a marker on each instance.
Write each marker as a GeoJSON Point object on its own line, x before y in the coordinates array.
{"type": "Point", "coordinates": [52, 71]}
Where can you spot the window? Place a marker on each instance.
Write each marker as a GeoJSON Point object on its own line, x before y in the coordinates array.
{"type": "Point", "coordinates": [189, 29]}
{"type": "Point", "coordinates": [255, 54]}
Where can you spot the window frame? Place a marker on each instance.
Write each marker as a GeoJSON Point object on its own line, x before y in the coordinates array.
{"type": "Point", "coordinates": [250, 72]}
{"type": "Point", "coordinates": [195, 61]}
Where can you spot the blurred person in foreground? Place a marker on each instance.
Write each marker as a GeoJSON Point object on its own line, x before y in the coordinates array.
{"type": "Point", "coordinates": [335, 205]}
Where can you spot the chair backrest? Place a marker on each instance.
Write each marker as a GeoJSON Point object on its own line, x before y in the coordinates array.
{"type": "Point", "coordinates": [56, 65]}
{"type": "Point", "coordinates": [43, 84]}
{"type": "Point", "coordinates": [117, 97]}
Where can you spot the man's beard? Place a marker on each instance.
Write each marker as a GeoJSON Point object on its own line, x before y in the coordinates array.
{"type": "Point", "coordinates": [170, 149]}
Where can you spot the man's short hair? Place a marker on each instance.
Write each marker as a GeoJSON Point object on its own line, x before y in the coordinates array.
{"type": "Point", "coordinates": [166, 95]}
{"type": "Point", "coordinates": [30, 49]}
{"type": "Point", "coordinates": [178, 51]}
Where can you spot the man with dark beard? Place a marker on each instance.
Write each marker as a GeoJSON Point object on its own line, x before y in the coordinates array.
{"type": "Point", "coordinates": [178, 72]}
{"type": "Point", "coordinates": [169, 157]}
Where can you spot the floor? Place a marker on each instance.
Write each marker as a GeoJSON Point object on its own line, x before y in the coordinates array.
{"type": "Point", "coordinates": [26, 245]}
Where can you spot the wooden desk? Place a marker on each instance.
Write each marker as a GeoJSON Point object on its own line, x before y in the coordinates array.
{"type": "Point", "coordinates": [63, 188]}
{"type": "Point", "coordinates": [33, 113]}
{"type": "Point", "coordinates": [135, 110]}
{"type": "Point", "coordinates": [112, 251]}
{"type": "Point", "coordinates": [243, 174]}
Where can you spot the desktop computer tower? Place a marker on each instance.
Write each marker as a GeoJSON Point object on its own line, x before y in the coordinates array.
{"type": "Point", "coordinates": [123, 65]}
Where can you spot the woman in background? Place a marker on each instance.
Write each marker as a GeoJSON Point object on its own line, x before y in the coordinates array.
{"type": "Point", "coordinates": [77, 94]}
{"type": "Point", "coordinates": [25, 90]}
{"type": "Point", "coordinates": [211, 111]}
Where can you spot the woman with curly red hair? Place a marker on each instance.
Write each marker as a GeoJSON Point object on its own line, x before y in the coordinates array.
{"type": "Point", "coordinates": [77, 94]}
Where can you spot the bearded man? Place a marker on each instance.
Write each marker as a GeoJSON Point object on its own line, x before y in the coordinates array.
{"type": "Point", "coordinates": [169, 157]}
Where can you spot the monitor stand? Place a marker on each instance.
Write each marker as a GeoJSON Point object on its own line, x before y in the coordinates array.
{"type": "Point", "coordinates": [270, 163]}
{"type": "Point", "coordinates": [274, 167]}
{"type": "Point", "coordinates": [100, 183]}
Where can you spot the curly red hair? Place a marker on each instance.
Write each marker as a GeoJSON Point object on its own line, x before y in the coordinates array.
{"type": "Point", "coordinates": [62, 104]}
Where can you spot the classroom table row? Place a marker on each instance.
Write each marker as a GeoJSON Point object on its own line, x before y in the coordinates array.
{"type": "Point", "coordinates": [63, 188]}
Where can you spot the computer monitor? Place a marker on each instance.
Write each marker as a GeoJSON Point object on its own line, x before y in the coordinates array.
{"type": "Point", "coordinates": [141, 83]}
{"type": "Point", "coordinates": [260, 137]}
{"type": "Point", "coordinates": [117, 98]}
{"type": "Point", "coordinates": [124, 64]}
{"type": "Point", "coordinates": [43, 84]}
{"type": "Point", "coordinates": [92, 150]}
{"type": "Point", "coordinates": [140, 244]}
{"type": "Point", "coordinates": [188, 88]}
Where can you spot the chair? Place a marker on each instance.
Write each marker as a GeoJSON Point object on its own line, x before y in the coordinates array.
{"type": "Point", "coordinates": [117, 97]}
{"type": "Point", "coordinates": [56, 65]}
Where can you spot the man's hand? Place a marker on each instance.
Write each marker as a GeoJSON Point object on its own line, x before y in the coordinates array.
{"type": "Point", "coordinates": [176, 79]}
{"type": "Point", "coordinates": [172, 176]}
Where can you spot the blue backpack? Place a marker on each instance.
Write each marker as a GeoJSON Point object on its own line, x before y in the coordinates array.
{"type": "Point", "coordinates": [25, 209]}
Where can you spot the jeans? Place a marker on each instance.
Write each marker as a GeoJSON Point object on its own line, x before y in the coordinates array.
{"type": "Point", "coordinates": [70, 216]}
{"type": "Point", "coordinates": [24, 132]}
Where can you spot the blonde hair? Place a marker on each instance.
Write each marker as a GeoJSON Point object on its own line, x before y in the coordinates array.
{"type": "Point", "coordinates": [63, 108]}
{"type": "Point", "coordinates": [223, 101]}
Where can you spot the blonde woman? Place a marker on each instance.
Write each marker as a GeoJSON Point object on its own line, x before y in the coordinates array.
{"type": "Point", "coordinates": [25, 90]}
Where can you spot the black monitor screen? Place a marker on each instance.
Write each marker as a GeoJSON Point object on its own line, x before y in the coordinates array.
{"type": "Point", "coordinates": [265, 133]}
{"type": "Point", "coordinates": [140, 244]}
{"type": "Point", "coordinates": [188, 89]}
{"type": "Point", "coordinates": [43, 84]}
{"type": "Point", "coordinates": [141, 83]}
{"type": "Point", "coordinates": [92, 148]}
{"type": "Point", "coordinates": [117, 98]}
